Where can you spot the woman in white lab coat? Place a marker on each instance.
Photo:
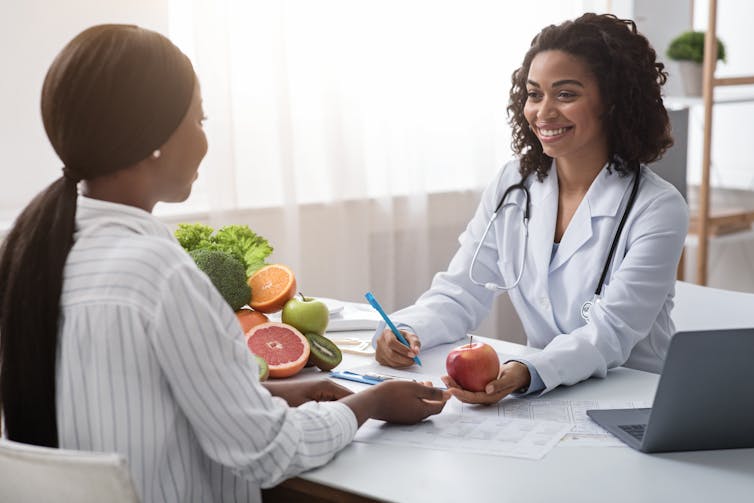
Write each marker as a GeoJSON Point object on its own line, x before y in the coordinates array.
{"type": "Point", "coordinates": [587, 115]}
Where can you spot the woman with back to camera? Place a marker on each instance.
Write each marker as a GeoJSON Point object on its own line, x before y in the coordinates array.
{"type": "Point", "coordinates": [112, 340]}
{"type": "Point", "coordinates": [594, 280]}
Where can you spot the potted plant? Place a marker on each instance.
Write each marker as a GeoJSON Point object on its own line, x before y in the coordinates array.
{"type": "Point", "coordinates": [688, 50]}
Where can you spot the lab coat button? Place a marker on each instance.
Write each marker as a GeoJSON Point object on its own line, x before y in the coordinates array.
{"type": "Point", "coordinates": [544, 302]}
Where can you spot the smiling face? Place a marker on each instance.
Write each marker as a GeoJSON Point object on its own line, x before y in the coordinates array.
{"type": "Point", "coordinates": [564, 109]}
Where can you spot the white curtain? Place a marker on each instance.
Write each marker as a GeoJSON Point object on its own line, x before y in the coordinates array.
{"type": "Point", "coordinates": [355, 135]}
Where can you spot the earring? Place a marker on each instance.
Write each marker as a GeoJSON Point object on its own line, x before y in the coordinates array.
{"type": "Point", "coordinates": [156, 154]}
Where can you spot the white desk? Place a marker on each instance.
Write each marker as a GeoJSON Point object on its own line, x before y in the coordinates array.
{"type": "Point", "coordinates": [703, 308]}
{"type": "Point", "coordinates": [615, 474]}
{"type": "Point", "coordinates": [365, 472]}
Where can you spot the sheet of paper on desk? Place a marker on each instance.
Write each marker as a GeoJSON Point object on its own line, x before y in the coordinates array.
{"type": "Point", "coordinates": [585, 432]}
{"type": "Point", "coordinates": [499, 436]}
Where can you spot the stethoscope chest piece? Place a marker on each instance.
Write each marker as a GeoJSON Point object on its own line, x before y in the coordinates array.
{"type": "Point", "coordinates": [586, 309]}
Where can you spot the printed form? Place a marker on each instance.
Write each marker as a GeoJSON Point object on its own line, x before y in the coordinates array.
{"type": "Point", "coordinates": [498, 436]}
{"type": "Point", "coordinates": [517, 427]}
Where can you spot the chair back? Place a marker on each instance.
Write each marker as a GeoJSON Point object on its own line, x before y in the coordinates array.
{"type": "Point", "coordinates": [672, 166]}
{"type": "Point", "coordinates": [39, 474]}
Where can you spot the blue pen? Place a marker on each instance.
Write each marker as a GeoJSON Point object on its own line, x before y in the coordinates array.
{"type": "Point", "coordinates": [378, 307]}
{"type": "Point", "coordinates": [353, 376]}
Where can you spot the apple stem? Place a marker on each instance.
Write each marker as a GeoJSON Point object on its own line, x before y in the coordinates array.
{"type": "Point", "coordinates": [471, 339]}
{"type": "Point", "coordinates": [302, 296]}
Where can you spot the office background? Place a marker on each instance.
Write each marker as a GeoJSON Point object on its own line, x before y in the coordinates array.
{"type": "Point", "coordinates": [357, 135]}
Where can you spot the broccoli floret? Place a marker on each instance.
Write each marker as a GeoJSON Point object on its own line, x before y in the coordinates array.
{"type": "Point", "coordinates": [226, 273]}
{"type": "Point", "coordinates": [239, 241]}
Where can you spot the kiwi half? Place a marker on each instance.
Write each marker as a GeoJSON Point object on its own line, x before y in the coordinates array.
{"type": "Point", "coordinates": [324, 353]}
{"type": "Point", "coordinates": [264, 370]}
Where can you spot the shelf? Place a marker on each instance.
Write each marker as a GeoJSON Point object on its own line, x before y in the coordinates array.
{"type": "Point", "coordinates": [731, 210]}
{"type": "Point", "coordinates": [722, 96]}
{"type": "Point", "coordinates": [692, 240]}
{"type": "Point", "coordinates": [723, 221]}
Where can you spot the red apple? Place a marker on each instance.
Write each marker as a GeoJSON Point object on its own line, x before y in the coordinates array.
{"type": "Point", "coordinates": [473, 365]}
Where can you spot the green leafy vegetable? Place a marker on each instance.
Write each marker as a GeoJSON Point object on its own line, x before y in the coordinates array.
{"type": "Point", "coordinates": [226, 273]}
{"type": "Point", "coordinates": [239, 241]}
{"type": "Point", "coordinates": [193, 236]}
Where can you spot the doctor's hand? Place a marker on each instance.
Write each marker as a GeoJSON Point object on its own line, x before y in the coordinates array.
{"type": "Point", "coordinates": [513, 376]}
{"type": "Point", "coordinates": [392, 353]}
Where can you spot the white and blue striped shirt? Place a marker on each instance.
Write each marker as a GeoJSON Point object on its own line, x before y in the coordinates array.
{"type": "Point", "coordinates": [153, 365]}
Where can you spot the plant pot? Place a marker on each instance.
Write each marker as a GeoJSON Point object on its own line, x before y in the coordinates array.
{"type": "Point", "coordinates": [691, 77]}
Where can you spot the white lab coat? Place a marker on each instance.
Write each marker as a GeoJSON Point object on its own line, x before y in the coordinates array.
{"type": "Point", "coordinates": [631, 324]}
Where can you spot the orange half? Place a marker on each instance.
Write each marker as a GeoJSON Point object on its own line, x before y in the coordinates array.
{"type": "Point", "coordinates": [271, 287]}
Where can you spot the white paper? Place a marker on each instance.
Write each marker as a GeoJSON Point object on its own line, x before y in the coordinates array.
{"type": "Point", "coordinates": [581, 430]}
{"type": "Point", "coordinates": [498, 436]}
{"type": "Point", "coordinates": [584, 432]}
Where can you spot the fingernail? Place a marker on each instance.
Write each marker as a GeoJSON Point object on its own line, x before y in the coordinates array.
{"type": "Point", "coordinates": [489, 389]}
{"type": "Point", "coordinates": [411, 354]}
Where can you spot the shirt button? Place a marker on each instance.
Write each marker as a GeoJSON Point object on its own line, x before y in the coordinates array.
{"type": "Point", "coordinates": [545, 303]}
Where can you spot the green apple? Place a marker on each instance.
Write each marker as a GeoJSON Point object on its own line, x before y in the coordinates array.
{"type": "Point", "coordinates": [306, 314]}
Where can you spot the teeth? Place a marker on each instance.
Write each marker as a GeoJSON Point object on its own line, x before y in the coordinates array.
{"type": "Point", "coordinates": [552, 132]}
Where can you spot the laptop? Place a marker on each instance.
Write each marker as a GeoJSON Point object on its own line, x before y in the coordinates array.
{"type": "Point", "coordinates": [704, 400]}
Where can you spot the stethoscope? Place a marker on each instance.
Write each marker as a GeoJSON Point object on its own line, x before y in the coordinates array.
{"type": "Point", "coordinates": [586, 307]}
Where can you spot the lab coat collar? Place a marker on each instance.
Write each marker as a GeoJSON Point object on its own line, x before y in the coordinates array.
{"type": "Point", "coordinates": [603, 199]}
{"type": "Point", "coordinates": [544, 212]}
{"type": "Point", "coordinates": [605, 195]}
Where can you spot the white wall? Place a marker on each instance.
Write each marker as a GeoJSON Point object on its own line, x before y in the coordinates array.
{"type": "Point", "coordinates": [660, 22]}
{"type": "Point", "coordinates": [32, 32]}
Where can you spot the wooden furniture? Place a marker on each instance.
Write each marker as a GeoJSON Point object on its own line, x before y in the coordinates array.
{"type": "Point", "coordinates": [732, 210]}
{"type": "Point", "coordinates": [707, 223]}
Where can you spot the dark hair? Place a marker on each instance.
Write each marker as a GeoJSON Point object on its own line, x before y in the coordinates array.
{"type": "Point", "coordinates": [113, 95]}
{"type": "Point", "coordinates": [629, 77]}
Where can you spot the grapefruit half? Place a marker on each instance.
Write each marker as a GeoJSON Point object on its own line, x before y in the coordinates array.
{"type": "Point", "coordinates": [284, 348]}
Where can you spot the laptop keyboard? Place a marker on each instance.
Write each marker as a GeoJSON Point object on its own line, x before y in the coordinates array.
{"type": "Point", "coordinates": [635, 430]}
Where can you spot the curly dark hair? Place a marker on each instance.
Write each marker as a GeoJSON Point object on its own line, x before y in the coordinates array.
{"type": "Point", "coordinates": [629, 77]}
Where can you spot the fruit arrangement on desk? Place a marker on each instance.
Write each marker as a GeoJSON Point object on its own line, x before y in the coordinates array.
{"type": "Point", "coordinates": [234, 260]}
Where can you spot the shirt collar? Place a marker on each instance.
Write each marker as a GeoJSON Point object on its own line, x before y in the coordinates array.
{"type": "Point", "coordinates": [92, 214]}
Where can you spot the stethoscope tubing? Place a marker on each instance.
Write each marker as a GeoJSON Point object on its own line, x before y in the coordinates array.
{"type": "Point", "coordinates": [618, 231]}
{"type": "Point", "coordinates": [525, 232]}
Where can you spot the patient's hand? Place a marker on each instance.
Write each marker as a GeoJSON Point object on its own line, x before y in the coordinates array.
{"type": "Point", "coordinates": [302, 391]}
